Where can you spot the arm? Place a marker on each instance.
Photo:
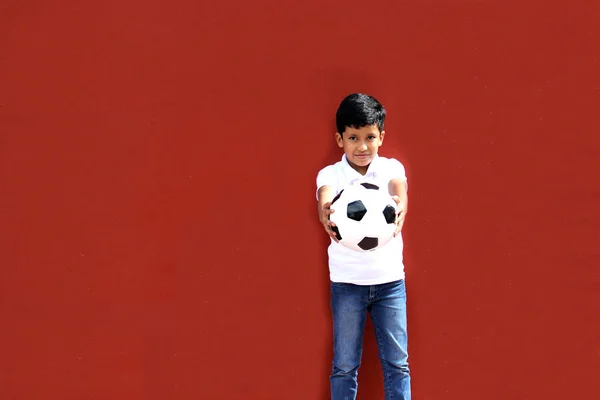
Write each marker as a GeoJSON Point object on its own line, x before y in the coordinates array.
{"type": "Point", "coordinates": [399, 191]}
{"type": "Point", "coordinates": [325, 195]}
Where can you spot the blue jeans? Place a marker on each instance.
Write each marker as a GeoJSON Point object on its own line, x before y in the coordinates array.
{"type": "Point", "coordinates": [387, 305]}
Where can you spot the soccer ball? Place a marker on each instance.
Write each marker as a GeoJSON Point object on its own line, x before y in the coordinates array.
{"type": "Point", "coordinates": [364, 217]}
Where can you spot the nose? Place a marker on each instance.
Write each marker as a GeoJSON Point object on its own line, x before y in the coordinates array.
{"type": "Point", "coordinates": [362, 146]}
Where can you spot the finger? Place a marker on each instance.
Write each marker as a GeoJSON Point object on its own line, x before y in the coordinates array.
{"type": "Point", "coordinates": [398, 229]}
{"type": "Point", "coordinates": [332, 233]}
{"type": "Point", "coordinates": [329, 229]}
{"type": "Point", "coordinates": [399, 223]}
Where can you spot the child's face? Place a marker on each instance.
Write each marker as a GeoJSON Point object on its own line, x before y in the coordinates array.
{"type": "Point", "coordinates": [360, 145]}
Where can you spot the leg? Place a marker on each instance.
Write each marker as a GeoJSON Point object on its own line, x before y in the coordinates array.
{"type": "Point", "coordinates": [389, 319]}
{"type": "Point", "coordinates": [349, 309]}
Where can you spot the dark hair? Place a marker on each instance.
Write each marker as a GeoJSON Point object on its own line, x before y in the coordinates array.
{"type": "Point", "coordinates": [358, 110]}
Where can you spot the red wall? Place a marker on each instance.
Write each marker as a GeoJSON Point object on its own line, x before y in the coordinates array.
{"type": "Point", "coordinates": [159, 236]}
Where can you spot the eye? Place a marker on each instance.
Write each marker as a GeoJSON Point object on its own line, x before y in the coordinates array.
{"type": "Point", "coordinates": [372, 137]}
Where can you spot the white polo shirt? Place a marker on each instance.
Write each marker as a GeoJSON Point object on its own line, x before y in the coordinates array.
{"type": "Point", "coordinates": [381, 265]}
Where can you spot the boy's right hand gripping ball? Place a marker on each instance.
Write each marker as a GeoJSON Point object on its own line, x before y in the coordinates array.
{"type": "Point", "coordinates": [364, 217]}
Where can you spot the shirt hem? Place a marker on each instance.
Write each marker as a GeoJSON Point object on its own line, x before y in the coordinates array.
{"type": "Point", "coordinates": [366, 282]}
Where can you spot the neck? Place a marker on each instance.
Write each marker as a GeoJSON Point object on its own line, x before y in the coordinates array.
{"type": "Point", "coordinates": [359, 169]}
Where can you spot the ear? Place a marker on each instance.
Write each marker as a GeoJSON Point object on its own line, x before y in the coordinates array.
{"type": "Point", "coordinates": [381, 135]}
{"type": "Point", "coordinates": [339, 140]}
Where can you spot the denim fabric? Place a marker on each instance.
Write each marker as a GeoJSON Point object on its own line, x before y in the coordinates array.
{"type": "Point", "coordinates": [386, 304]}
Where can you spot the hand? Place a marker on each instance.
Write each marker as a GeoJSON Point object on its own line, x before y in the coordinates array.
{"type": "Point", "coordinates": [325, 212]}
{"type": "Point", "coordinates": [400, 215]}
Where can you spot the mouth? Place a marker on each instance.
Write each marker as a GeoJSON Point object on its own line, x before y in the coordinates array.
{"type": "Point", "coordinates": [361, 156]}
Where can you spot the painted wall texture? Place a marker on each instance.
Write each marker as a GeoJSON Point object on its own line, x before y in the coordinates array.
{"type": "Point", "coordinates": [158, 228]}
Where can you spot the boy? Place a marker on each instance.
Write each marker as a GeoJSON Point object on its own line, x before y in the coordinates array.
{"type": "Point", "coordinates": [372, 281]}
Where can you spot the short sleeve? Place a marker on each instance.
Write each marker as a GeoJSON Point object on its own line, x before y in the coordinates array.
{"type": "Point", "coordinates": [326, 177]}
{"type": "Point", "coordinates": [396, 171]}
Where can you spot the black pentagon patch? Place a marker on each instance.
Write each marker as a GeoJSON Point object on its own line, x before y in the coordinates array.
{"type": "Point", "coordinates": [337, 232]}
{"type": "Point", "coordinates": [356, 210]}
{"type": "Point", "coordinates": [369, 186]}
{"type": "Point", "coordinates": [337, 197]}
{"type": "Point", "coordinates": [368, 243]}
{"type": "Point", "coordinates": [390, 214]}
